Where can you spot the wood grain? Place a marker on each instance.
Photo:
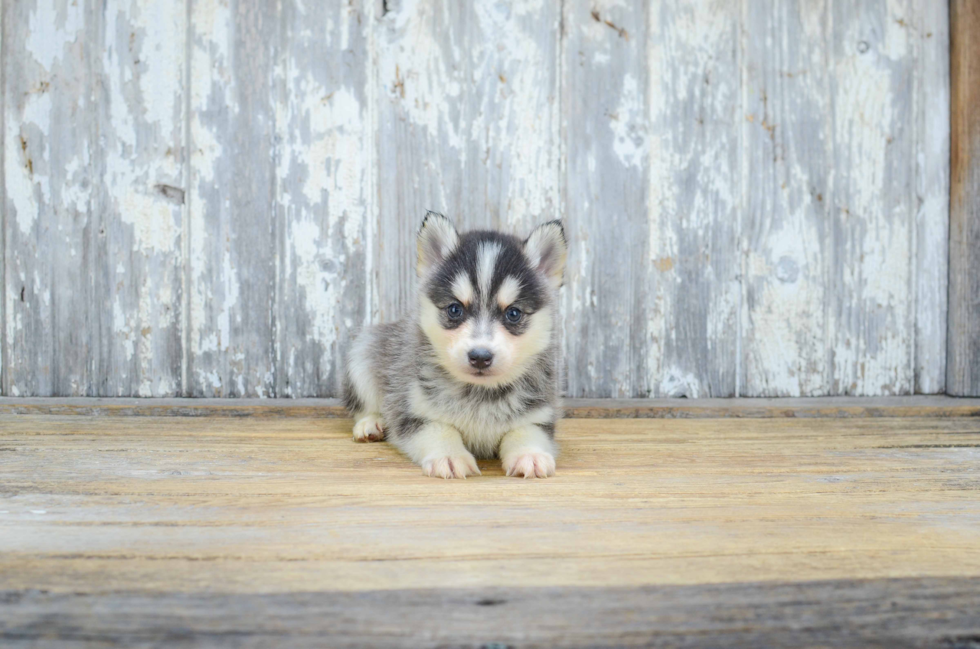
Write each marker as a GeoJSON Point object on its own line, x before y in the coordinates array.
{"type": "Point", "coordinates": [4, 345]}
{"type": "Point", "coordinates": [916, 612]}
{"type": "Point", "coordinates": [787, 407]}
{"type": "Point", "coordinates": [690, 317]}
{"type": "Point", "coordinates": [178, 504]}
{"type": "Point", "coordinates": [53, 226]}
{"type": "Point", "coordinates": [93, 236]}
{"type": "Point", "coordinates": [762, 531]}
{"type": "Point", "coordinates": [468, 125]}
{"type": "Point", "coordinates": [872, 218]}
{"type": "Point", "coordinates": [140, 125]}
{"type": "Point", "coordinates": [325, 202]}
{"type": "Point", "coordinates": [963, 364]}
{"type": "Point", "coordinates": [606, 126]}
{"type": "Point", "coordinates": [789, 146]}
{"type": "Point", "coordinates": [930, 40]}
{"type": "Point", "coordinates": [231, 282]}
{"type": "Point", "coordinates": [209, 198]}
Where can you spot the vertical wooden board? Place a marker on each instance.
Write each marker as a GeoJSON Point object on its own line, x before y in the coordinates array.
{"type": "Point", "coordinates": [606, 127]}
{"type": "Point", "coordinates": [53, 231]}
{"type": "Point", "coordinates": [232, 246]}
{"type": "Point", "coordinates": [141, 103]}
{"type": "Point", "coordinates": [3, 221]}
{"type": "Point", "coordinates": [963, 338]}
{"type": "Point", "coordinates": [96, 286]}
{"type": "Point", "coordinates": [327, 171]}
{"type": "Point", "coordinates": [930, 39]}
{"type": "Point", "coordinates": [691, 278]}
{"type": "Point", "coordinates": [866, 282]}
{"type": "Point", "coordinates": [872, 224]}
{"type": "Point", "coordinates": [788, 157]}
{"type": "Point", "coordinates": [468, 112]}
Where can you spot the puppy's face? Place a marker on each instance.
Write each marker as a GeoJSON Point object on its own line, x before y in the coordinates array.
{"type": "Point", "coordinates": [487, 298]}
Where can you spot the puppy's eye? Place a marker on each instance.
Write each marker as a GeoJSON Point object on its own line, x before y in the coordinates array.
{"type": "Point", "coordinates": [454, 311]}
{"type": "Point", "coordinates": [513, 314]}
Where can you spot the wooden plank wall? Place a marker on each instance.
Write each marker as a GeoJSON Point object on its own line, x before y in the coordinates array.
{"type": "Point", "coordinates": [209, 197]}
{"type": "Point", "coordinates": [963, 372]}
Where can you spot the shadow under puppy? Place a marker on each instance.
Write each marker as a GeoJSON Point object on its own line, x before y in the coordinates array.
{"type": "Point", "coordinates": [472, 371]}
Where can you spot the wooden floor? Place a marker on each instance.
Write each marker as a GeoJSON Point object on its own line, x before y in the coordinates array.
{"type": "Point", "coordinates": [240, 532]}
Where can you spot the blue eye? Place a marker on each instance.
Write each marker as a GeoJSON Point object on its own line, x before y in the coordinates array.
{"type": "Point", "coordinates": [514, 315]}
{"type": "Point", "coordinates": [454, 311]}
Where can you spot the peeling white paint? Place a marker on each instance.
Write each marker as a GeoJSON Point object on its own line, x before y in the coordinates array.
{"type": "Point", "coordinates": [52, 25]}
{"type": "Point", "coordinates": [152, 219]}
{"type": "Point", "coordinates": [26, 173]}
{"type": "Point", "coordinates": [678, 383]}
{"type": "Point", "coordinates": [694, 198]}
{"type": "Point", "coordinates": [229, 279]}
{"type": "Point", "coordinates": [629, 126]}
{"type": "Point", "coordinates": [319, 287]}
{"type": "Point", "coordinates": [211, 42]}
{"type": "Point", "coordinates": [333, 156]}
{"type": "Point", "coordinates": [325, 131]}
{"type": "Point", "coordinates": [142, 71]}
{"type": "Point", "coordinates": [121, 325]}
{"type": "Point", "coordinates": [524, 105]}
{"type": "Point", "coordinates": [210, 84]}
{"type": "Point", "coordinates": [417, 75]}
{"type": "Point", "coordinates": [160, 28]}
{"type": "Point", "coordinates": [152, 103]}
{"type": "Point", "coordinates": [929, 35]}
{"type": "Point", "coordinates": [875, 356]}
{"type": "Point", "coordinates": [825, 292]}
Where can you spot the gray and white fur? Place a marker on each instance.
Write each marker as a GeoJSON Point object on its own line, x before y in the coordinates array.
{"type": "Point", "coordinates": [472, 371]}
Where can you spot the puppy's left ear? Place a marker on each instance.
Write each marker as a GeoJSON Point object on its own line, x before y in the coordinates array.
{"type": "Point", "coordinates": [546, 249]}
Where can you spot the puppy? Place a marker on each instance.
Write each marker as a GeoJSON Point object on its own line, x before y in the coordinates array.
{"type": "Point", "coordinates": [472, 372]}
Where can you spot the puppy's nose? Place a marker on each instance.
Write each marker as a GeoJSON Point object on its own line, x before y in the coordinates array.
{"type": "Point", "coordinates": [480, 358]}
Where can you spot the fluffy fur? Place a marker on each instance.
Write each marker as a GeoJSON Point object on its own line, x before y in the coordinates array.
{"type": "Point", "coordinates": [422, 383]}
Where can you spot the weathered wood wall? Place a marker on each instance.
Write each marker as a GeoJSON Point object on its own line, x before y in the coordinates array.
{"type": "Point", "coordinates": [963, 370]}
{"type": "Point", "coordinates": [208, 197]}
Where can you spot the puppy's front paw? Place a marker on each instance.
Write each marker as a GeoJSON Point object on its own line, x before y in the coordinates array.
{"type": "Point", "coordinates": [535, 464]}
{"type": "Point", "coordinates": [457, 466]}
{"type": "Point", "coordinates": [369, 429]}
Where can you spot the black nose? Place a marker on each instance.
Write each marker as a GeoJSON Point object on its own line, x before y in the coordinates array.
{"type": "Point", "coordinates": [480, 358]}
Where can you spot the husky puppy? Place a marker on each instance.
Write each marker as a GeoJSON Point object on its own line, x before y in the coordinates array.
{"type": "Point", "coordinates": [472, 371]}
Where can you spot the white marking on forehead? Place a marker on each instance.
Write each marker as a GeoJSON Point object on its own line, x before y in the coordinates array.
{"type": "Point", "coordinates": [486, 261]}
{"type": "Point", "coordinates": [510, 288]}
{"type": "Point", "coordinates": [483, 328]}
{"type": "Point", "coordinates": [463, 289]}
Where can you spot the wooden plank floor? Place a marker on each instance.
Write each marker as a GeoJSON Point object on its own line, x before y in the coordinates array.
{"type": "Point", "coordinates": [202, 531]}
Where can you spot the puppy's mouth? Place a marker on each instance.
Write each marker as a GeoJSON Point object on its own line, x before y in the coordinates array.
{"type": "Point", "coordinates": [487, 375]}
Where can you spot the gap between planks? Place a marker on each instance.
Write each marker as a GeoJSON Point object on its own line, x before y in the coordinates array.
{"type": "Point", "coordinates": [751, 408]}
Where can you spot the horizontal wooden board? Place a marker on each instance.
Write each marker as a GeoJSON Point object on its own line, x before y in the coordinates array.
{"type": "Point", "coordinates": [919, 406]}
{"type": "Point", "coordinates": [916, 612]}
{"type": "Point", "coordinates": [260, 505]}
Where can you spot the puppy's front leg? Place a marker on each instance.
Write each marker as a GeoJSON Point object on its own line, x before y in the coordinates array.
{"type": "Point", "coordinates": [439, 450]}
{"type": "Point", "coordinates": [528, 452]}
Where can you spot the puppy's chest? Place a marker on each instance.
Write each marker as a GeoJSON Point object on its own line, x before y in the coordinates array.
{"type": "Point", "coordinates": [482, 425]}
{"type": "Point", "coordinates": [475, 416]}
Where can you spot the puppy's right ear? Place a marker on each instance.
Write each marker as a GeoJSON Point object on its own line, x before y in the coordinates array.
{"type": "Point", "coordinates": [437, 239]}
{"type": "Point", "coordinates": [547, 250]}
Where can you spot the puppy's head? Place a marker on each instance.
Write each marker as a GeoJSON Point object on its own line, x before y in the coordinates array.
{"type": "Point", "coordinates": [487, 299]}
